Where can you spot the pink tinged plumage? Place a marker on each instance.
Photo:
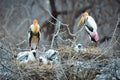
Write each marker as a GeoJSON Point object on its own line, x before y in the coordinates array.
{"type": "Point", "coordinates": [95, 36]}
{"type": "Point", "coordinates": [90, 26]}
{"type": "Point", "coordinates": [91, 23]}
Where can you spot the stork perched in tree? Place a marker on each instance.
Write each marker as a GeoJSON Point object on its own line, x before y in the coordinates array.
{"type": "Point", "coordinates": [34, 35]}
{"type": "Point", "coordinates": [90, 26]}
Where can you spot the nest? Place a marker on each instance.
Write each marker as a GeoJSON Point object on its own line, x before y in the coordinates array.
{"type": "Point", "coordinates": [73, 66]}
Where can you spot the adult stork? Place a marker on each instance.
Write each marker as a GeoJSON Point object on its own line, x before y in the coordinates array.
{"type": "Point", "coordinates": [90, 26]}
{"type": "Point", "coordinates": [34, 35]}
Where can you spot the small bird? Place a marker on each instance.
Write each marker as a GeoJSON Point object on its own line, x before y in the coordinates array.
{"type": "Point", "coordinates": [50, 57]}
{"type": "Point", "coordinates": [34, 35]}
{"type": "Point", "coordinates": [43, 60]}
{"type": "Point", "coordinates": [27, 56]}
{"type": "Point", "coordinates": [79, 47]}
{"type": "Point", "coordinates": [90, 26]}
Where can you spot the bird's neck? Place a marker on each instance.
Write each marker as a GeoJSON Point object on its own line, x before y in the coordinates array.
{"type": "Point", "coordinates": [31, 57]}
{"type": "Point", "coordinates": [35, 28]}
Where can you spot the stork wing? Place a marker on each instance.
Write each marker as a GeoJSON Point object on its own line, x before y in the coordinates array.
{"type": "Point", "coordinates": [23, 58]}
{"type": "Point", "coordinates": [89, 28]}
{"type": "Point", "coordinates": [53, 56]}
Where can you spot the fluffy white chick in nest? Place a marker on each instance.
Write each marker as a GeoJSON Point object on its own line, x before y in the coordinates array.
{"type": "Point", "coordinates": [79, 48]}
{"type": "Point", "coordinates": [27, 56]}
{"type": "Point", "coordinates": [50, 57]}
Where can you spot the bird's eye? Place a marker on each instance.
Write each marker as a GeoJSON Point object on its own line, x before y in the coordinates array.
{"type": "Point", "coordinates": [55, 52]}
{"type": "Point", "coordinates": [40, 60]}
{"type": "Point", "coordinates": [79, 46]}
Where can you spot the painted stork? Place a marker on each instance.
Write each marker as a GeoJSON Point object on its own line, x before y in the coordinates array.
{"type": "Point", "coordinates": [50, 56]}
{"type": "Point", "coordinates": [90, 26]}
{"type": "Point", "coordinates": [34, 35]}
{"type": "Point", "coordinates": [27, 56]}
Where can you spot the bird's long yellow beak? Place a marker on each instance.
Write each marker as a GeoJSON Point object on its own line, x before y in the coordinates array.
{"type": "Point", "coordinates": [80, 21]}
{"type": "Point", "coordinates": [82, 18]}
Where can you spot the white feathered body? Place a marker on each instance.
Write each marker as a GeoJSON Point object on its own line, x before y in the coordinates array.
{"type": "Point", "coordinates": [26, 56]}
{"type": "Point", "coordinates": [92, 30]}
{"type": "Point", "coordinates": [50, 56]}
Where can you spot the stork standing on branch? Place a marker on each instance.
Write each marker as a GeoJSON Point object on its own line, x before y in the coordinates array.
{"type": "Point", "coordinates": [90, 26]}
{"type": "Point", "coordinates": [34, 35]}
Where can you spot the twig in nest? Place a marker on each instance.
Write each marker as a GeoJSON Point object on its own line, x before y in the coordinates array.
{"type": "Point", "coordinates": [8, 68]}
{"type": "Point", "coordinates": [107, 49]}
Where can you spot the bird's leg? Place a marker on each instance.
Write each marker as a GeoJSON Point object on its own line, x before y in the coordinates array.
{"type": "Point", "coordinates": [30, 45]}
{"type": "Point", "coordinates": [37, 56]}
{"type": "Point", "coordinates": [36, 46]}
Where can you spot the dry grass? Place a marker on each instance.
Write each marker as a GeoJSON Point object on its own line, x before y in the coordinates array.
{"type": "Point", "coordinates": [73, 65]}
{"type": "Point", "coordinates": [69, 59]}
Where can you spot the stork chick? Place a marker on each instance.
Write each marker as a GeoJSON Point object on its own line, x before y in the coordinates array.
{"type": "Point", "coordinates": [27, 56]}
{"type": "Point", "coordinates": [34, 35]}
{"type": "Point", "coordinates": [90, 26]}
{"type": "Point", "coordinates": [79, 48]}
{"type": "Point", "coordinates": [50, 57]}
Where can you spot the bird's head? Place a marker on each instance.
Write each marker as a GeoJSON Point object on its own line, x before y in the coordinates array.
{"type": "Point", "coordinates": [35, 27]}
{"type": "Point", "coordinates": [35, 21]}
{"type": "Point", "coordinates": [43, 60]}
{"type": "Point", "coordinates": [84, 15]}
{"type": "Point", "coordinates": [78, 47]}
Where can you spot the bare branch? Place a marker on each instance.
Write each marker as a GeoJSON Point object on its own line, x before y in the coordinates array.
{"type": "Point", "coordinates": [113, 36]}
{"type": "Point", "coordinates": [55, 34]}
{"type": "Point", "coordinates": [21, 42]}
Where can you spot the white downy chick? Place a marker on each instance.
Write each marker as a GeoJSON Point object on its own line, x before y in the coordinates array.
{"type": "Point", "coordinates": [79, 47]}
{"type": "Point", "coordinates": [26, 56]}
{"type": "Point", "coordinates": [52, 55]}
